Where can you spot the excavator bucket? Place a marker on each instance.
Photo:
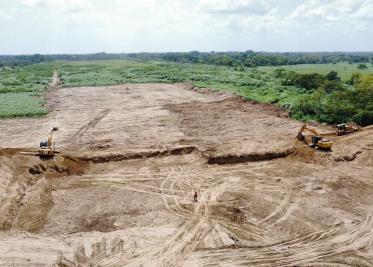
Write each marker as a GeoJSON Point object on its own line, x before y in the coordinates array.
{"type": "Point", "coordinates": [54, 129]}
{"type": "Point", "coordinates": [300, 137]}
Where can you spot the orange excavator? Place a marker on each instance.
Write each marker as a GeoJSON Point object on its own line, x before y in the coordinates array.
{"type": "Point", "coordinates": [317, 141]}
{"type": "Point", "coordinates": [47, 148]}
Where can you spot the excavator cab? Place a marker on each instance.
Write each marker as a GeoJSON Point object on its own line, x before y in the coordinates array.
{"type": "Point", "coordinates": [47, 148]}
{"type": "Point", "coordinates": [315, 139]}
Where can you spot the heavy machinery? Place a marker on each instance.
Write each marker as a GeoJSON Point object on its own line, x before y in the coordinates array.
{"type": "Point", "coordinates": [47, 148]}
{"type": "Point", "coordinates": [346, 128]}
{"type": "Point", "coordinates": [316, 140]}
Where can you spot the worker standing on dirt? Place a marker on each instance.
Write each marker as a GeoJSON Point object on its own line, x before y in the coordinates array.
{"type": "Point", "coordinates": [195, 198]}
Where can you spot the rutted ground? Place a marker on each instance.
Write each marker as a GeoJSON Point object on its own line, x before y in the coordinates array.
{"type": "Point", "coordinates": [121, 192]}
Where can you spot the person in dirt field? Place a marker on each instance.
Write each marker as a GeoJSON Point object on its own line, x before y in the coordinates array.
{"type": "Point", "coordinates": [195, 197]}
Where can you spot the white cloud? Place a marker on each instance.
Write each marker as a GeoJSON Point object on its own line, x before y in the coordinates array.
{"type": "Point", "coordinates": [161, 25]}
{"type": "Point", "coordinates": [234, 6]}
{"type": "Point", "coordinates": [57, 5]}
{"type": "Point", "coordinates": [339, 12]}
{"type": "Point", "coordinates": [29, 3]}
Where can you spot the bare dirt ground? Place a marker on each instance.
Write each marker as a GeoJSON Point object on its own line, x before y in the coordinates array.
{"type": "Point", "coordinates": [132, 156]}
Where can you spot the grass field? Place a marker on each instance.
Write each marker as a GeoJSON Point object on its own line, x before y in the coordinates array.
{"type": "Point", "coordinates": [21, 89]}
{"type": "Point", "coordinates": [23, 104]}
{"type": "Point", "coordinates": [344, 70]}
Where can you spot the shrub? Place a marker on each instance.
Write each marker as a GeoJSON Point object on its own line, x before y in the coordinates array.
{"type": "Point", "coordinates": [364, 117]}
{"type": "Point", "coordinates": [362, 66]}
{"type": "Point", "coordinates": [332, 76]}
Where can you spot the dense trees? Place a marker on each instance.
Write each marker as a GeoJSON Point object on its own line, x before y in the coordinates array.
{"type": "Point", "coordinates": [353, 103]}
{"type": "Point", "coordinates": [252, 59]}
{"type": "Point", "coordinates": [362, 66]}
{"type": "Point", "coordinates": [248, 58]}
{"type": "Point", "coordinates": [312, 81]}
{"type": "Point", "coordinates": [22, 60]}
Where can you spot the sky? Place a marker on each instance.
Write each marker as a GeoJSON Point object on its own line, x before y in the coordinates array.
{"type": "Point", "coordinates": [90, 26]}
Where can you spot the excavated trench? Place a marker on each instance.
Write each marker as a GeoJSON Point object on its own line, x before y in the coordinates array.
{"type": "Point", "coordinates": [26, 187]}
{"type": "Point", "coordinates": [210, 158]}
{"type": "Point", "coordinates": [115, 157]}
{"type": "Point", "coordinates": [234, 159]}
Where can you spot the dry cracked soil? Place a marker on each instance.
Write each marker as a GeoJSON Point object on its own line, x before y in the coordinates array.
{"type": "Point", "coordinates": [121, 192]}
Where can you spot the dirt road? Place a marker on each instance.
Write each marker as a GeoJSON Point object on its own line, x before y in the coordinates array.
{"type": "Point", "coordinates": [132, 157]}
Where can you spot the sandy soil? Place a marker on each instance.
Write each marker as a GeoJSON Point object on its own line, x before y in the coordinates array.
{"type": "Point", "coordinates": [132, 156]}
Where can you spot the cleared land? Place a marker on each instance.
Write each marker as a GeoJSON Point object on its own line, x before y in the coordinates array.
{"type": "Point", "coordinates": [121, 192]}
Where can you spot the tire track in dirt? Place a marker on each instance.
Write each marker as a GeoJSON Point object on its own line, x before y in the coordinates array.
{"type": "Point", "coordinates": [178, 210]}
{"type": "Point", "coordinates": [92, 123]}
{"type": "Point", "coordinates": [301, 251]}
{"type": "Point", "coordinates": [277, 210]}
{"type": "Point", "coordinates": [176, 247]}
{"type": "Point", "coordinates": [184, 240]}
{"type": "Point", "coordinates": [199, 223]}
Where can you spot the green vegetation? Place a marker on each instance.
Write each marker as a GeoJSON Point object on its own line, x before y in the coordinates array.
{"type": "Point", "coordinates": [21, 89]}
{"type": "Point", "coordinates": [331, 93]}
{"type": "Point", "coordinates": [343, 103]}
{"type": "Point", "coordinates": [248, 58]}
{"type": "Point", "coordinates": [21, 105]}
{"type": "Point", "coordinates": [23, 60]}
{"type": "Point", "coordinates": [362, 67]}
{"type": "Point", "coordinates": [253, 59]}
{"type": "Point", "coordinates": [344, 69]}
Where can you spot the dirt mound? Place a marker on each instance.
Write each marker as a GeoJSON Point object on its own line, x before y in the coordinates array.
{"type": "Point", "coordinates": [356, 147]}
{"type": "Point", "coordinates": [306, 154]}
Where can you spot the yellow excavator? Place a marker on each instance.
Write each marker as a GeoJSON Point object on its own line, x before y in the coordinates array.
{"type": "Point", "coordinates": [347, 128]}
{"type": "Point", "coordinates": [316, 140]}
{"type": "Point", "coordinates": [47, 148]}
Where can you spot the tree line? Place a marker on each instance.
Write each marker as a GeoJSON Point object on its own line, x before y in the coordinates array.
{"type": "Point", "coordinates": [244, 59]}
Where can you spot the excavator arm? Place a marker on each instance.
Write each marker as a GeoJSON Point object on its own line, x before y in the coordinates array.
{"type": "Point", "coordinates": [305, 127]}
{"type": "Point", "coordinates": [50, 137]}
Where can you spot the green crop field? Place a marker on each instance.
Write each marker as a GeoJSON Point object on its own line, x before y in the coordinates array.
{"type": "Point", "coordinates": [344, 70]}
{"type": "Point", "coordinates": [21, 89]}
{"type": "Point", "coordinates": [21, 104]}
